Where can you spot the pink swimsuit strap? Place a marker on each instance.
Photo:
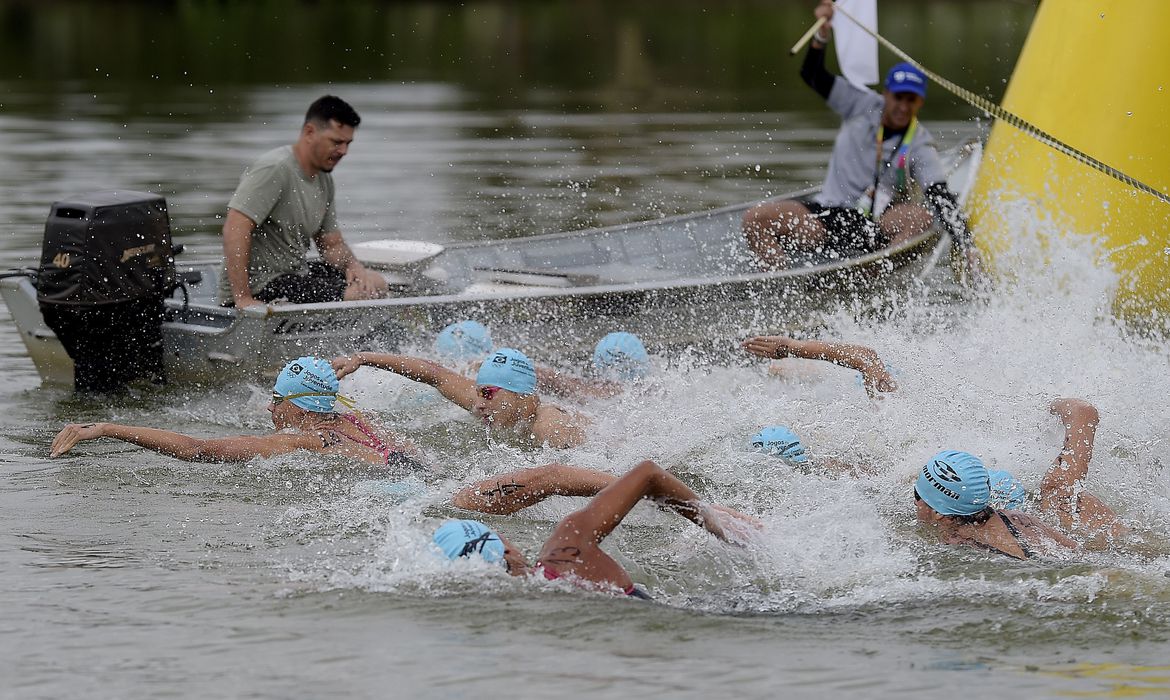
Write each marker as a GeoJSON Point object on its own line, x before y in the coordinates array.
{"type": "Point", "coordinates": [553, 575]}
{"type": "Point", "coordinates": [373, 442]}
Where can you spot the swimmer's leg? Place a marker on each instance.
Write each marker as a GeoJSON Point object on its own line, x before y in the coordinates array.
{"type": "Point", "coordinates": [1062, 489]}
{"type": "Point", "coordinates": [507, 493]}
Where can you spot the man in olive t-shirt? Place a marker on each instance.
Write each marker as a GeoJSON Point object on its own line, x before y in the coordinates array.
{"type": "Point", "coordinates": [285, 202]}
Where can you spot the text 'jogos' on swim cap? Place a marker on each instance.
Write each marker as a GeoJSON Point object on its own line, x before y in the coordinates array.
{"type": "Point", "coordinates": [509, 369]}
{"type": "Point", "coordinates": [309, 383]}
{"type": "Point", "coordinates": [780, 441]}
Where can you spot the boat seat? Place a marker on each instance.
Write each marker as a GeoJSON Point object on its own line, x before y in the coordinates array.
{"type": "Point", "coordinates": [528, 277]}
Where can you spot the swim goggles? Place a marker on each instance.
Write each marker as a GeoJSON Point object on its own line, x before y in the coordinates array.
{"type": "Point", "coordinates": [278, 398]}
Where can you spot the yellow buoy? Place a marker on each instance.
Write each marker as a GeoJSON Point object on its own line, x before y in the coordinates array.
{"type": "Point", "coordinates": [1094, 74]}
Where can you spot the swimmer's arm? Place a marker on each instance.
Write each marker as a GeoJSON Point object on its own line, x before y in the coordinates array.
{"type": "Point", "coordinates": [1080, 419]}
{"type": "Point", "coordinates": [454, 386]}
{"type": "Point", "coordinates": [185, 447]}
{"type": "Point", "coordinates": [648, 480]}
{"type": "Point", "coordinates": [856, 357]}
{"type": "Point", "coordinates": [551, 381]}
{"type": "Point", "coordinates": [507, 493]}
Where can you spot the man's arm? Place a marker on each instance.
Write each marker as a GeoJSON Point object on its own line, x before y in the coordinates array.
{"type": "Point", "coordinates": [366, 284]}
{"type": "Point", "coordinates": [237, 252]}
{"type": "Point", "coordinates": [856, 357]}
{"type": "Point", "coordinates": [454, 386]}
{"type": "Point", "coordinates": [813, 70]}
{"type": "Point", "coordinates": [185, 447]}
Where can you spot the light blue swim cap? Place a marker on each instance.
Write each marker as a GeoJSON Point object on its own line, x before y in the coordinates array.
{"type": "Point", "coordinates": [461, 538]}
{"type": "Point", "coordinates": [623, 355]}
{"type": "Point", "coordinates": [309, 383]}
{"type": "Point", "coordinates": [780, 441]}
{"type": "Point", "coordinates": [1007, 493]}
{"type": "Point", "coordinates": [508, 369]}
{"type": "Point", "coordinates": [465, 340]}
{"type": "Point", "coordinates": [954, 483]}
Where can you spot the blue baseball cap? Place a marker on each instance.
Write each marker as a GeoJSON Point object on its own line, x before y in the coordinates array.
{"type": "Point", "coordinates": [464, 340]}
{"type": "Point", "coordinates": [309, 383]}
{"type": "Point", "coordinates": [1007, 493]}
{"type": "Point", "coordinates": [954, 483]}
{"type": "Point", "coordinates": [508, 369]}
{"type": "Point", "coordinates": [905, 77]}
{"type": "Point", "coordinates": [621, 354]}
{"type": "Point", "coordinates": [462, 538]}
{"type": "Point", "coordinates": [780, 441]}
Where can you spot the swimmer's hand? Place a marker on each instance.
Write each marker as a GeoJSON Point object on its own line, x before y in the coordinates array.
{"type": "Point", "coordinates": [74, 433]}
{"type": "Point", "coordinates": [730, 525]}
{"type": "Point", "coordinates": [770, 346]}
{"type": "Point", "coordinates": [345, 365]}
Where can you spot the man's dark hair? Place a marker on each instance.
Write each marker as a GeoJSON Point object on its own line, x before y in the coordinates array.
{"type": "Point", "coordinates": [332, 108]}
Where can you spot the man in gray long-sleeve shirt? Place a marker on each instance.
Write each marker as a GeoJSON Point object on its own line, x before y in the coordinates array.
{"type": "Point", "coordinates": [885, 182]}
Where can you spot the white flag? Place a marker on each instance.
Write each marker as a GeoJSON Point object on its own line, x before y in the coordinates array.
{"type": "Point", "coordinates": [857, 51]}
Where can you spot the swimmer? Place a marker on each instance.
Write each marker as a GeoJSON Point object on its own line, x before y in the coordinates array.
{"type": "Point", "coordinates": [875, 376]}
{"type": "Point", "coordinates": [302, 408]}
{"type": "Point", "coordinates": [502, 395]}
{"type": "Point", "coordinates": [573, 550]}
{"type": "Point", "coordinates": [952, 495]}
{"type": "Point", "coordinates": [463, 342]}
{"type": "Point", "coordinates": [782, 442]}
{"type": "Point", "coordinates": [619, 359]}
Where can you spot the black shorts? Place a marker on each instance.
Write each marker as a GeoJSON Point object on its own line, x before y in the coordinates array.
{"type": "Point", "coordinates": [850, 231]}
{"type": "Point", "coordinates": [323, 283]}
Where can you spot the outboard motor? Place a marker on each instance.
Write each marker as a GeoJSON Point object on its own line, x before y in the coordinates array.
{"type": "Point", "coordinates": [106, 266]}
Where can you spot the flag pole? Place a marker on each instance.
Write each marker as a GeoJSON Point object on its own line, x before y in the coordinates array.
{"type": "Point", "coordinates": [807, 36]}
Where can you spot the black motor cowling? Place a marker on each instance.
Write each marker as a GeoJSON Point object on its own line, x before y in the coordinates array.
{"type": "Point", "coordinates": [106, 266]}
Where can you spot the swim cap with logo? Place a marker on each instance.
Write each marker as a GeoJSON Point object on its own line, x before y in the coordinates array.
{"type": "Point", "coordinates": [780, 441]}
{"type": "Point", "coordinates": [309, 383]}
{"type": "Point", "coordinates": [1007, 493]}
{"type": "Point", "coordinates": [954, 483]}
{"type": "Point", "coordinates": [508, 369]}
{"type": "Point", "coordinates": [621, 354]}
{"type": "Point", "coordinates": [464, 340]}
{"type": "Point", "coordinates": [462, 538]}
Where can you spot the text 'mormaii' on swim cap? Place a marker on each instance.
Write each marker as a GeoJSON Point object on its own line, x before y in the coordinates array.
{"type": "Point", "coordinates": [954, 483]}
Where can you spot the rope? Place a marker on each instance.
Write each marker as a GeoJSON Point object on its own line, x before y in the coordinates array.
{"type": "Point", "coordinates": [1002, 114]}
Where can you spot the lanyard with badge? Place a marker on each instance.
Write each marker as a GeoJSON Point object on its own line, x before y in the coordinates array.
{"type": "Point", "coordinates": [867, 202]}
